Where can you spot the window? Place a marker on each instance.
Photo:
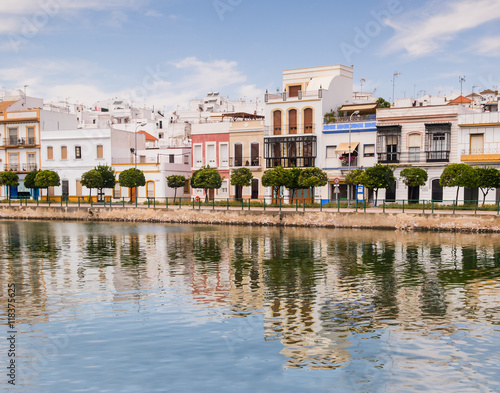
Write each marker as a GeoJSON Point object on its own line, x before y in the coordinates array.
{"type": "Point", "coordinates": [31, 162]}
{"type": "Point", "coordinates": [224, 160]}
{"type": "Point", "coordinates": [293, 91]}
{"type": "Point", "coordinates": [186, 159]}
{"type": "Point", "coordinates": [438, 142]}
{"type": "Point", "coordinates": [171, 158]}
{"type": "Point", "coordinates": [292, 121]}
{"type": "Point", "coordinates": [31, 135]}
{"type": "Point", "coordinates": [330, 151]}
{"type": "Point", "coordinates": [12, 136]}
{"type": "Point", "coordinates": [78, 152]}
{"type": "Point", "coordinates": [13, 162]}
{"type": "Point", "coordinates": [50, 153]}
{"type": "Point", "coordinates": [211, 156]}
{"type": "Point", "coordinates": [238, 154]}
{"type": "Point", "coordinates": [477, 144]}
{"type": "Point", "coordinates": [277, 123]}
{"type": "Point", "coordinates": [187, 187]}
{"type": "Point", "coordinates": [388, 149]}
{"type": "Point", "coordinates": [64, 153]}
{"type": "Point", "coordinates": [100, 153]}
{"type": "Point", "coordinates": [224, 187]}
{"type": "Point", "coordinates": [198, 158]}
{"type": "Point", "coordinates": [78, 188]}
{"type": "Point", "coordinates": [414, 141]}
{"type": "Point", "coordinates": [150, 189]}
{"type": "Point", "coordinates": [368, 150]}
{"type": "Point", "coordinates": [117, 191]}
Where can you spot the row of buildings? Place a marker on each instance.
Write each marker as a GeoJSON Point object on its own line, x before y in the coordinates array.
{"type": "Point", "coordinates": [315, 119]}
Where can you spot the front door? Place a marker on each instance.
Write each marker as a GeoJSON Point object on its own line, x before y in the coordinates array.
{"type": "Point", "coordinates": [211, 193]}
{"type": "Point", "coordinates": [131, 194]}
{"type": "Point", "coordinates": [255, 188]}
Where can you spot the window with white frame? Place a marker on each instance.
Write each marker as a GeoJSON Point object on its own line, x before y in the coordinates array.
{"type": "Point", "coordinates": [224, 154]}
{"type": "Point", "coordinates": [414, 142]}
{"type": "Point", "coordinates": [198, 157]}
{"type": "Point", "coordinates": [330, 151]}
{"type": "Point", "coordinates": [368, 150]}
{"type": "Point", "coordinates": [223, 188]}
{"type": "Point", "coordinates": [211, 155]}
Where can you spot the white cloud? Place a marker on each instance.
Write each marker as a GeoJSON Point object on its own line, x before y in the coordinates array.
{"type": "Point", "coordinates": [487, 46]}
{"type": "Point", "coordinates": [153, 14]}
{"type": "Point", "coordinates": [166, 84]}
{"type": "Point", "coordinates": [433, 29]}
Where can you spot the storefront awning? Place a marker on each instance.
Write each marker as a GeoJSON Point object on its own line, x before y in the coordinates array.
{"type": "Point", "coordinates": [343, 148]}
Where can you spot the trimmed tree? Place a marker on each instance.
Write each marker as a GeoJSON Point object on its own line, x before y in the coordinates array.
{"type": "Point", "coordinates": [132, 178]}
{"type": "Point", "coordinates": [206, 178]}
{"type": "Point", "coordinates": [46, 179]}
{"type": "Point", "coordinates": [413, 177]}
{"type": "Point", "coordinates": [91, 179]}
{"type": "Point", "coordinates": [486, 179]}
{"type": "Point", "coordinates": [9, 179]}
{"type": "Point", "coordinates": [108, 177]}
{"type": "Point", "coordinates": [312, 177]}
{"type": "Point", "coordinates": [29, 180]}
{"type": "Point", "coordinates": [276, 178]}
{"type": "Point", "coordinates": [458, 175]}
{"type": "Point", "coordinates": [381, 103]}
{"type": "Point", "coordinates": [293, 181]}
{"type": "Point", "coordinates": [378, 176]}
{"type": "Point", "coordinates": [241, 177]}
{"type": "Point", "coordinates": [175, 182]}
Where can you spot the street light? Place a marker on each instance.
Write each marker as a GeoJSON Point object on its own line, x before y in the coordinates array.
{"type": "Point", "coordinates": [135, 155]}
{"type": "Point", "coordinates": [135, 149]}
{"type": "Point", "coordinates": [349, 159]}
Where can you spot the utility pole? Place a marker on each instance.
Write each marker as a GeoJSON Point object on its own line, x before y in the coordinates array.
{"type": "Point", "coordinates": [461, 79]}
{"type": "Point", "coordinates": [394, 83]}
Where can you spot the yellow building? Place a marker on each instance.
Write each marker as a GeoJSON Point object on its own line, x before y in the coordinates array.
{"type": "Point", "coordinates": [246, 146]}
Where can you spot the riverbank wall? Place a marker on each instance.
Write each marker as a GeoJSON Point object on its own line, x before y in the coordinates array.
{"type": "Point", "coordinates": [374, 220]}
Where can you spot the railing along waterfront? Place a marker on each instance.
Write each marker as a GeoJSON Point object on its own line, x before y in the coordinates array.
{"type": "Point", "coordinates": [297, 204]}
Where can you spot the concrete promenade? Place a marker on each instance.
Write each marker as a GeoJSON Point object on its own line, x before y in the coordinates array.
{"type": "Point", "coordinates": [345, 217]}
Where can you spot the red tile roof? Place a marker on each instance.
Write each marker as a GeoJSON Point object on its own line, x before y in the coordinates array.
{"type": "Point", "coordinates": [149, 137]}
{"type": "Point", "coordinates": [460, 100]}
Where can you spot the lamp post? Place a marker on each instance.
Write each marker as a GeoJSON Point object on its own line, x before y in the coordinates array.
{"type": "Point", "coordinates": [349, 158]}
{"type": "Point", "coordinates": [135, 154]}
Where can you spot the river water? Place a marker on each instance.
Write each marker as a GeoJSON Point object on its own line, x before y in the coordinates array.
{"type": "Point", "coordinates": [105, 307]}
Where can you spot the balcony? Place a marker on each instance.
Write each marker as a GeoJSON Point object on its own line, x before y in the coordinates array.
{"type": "Point", "coordinates": [20, 167]}
{"type": "Point", "coordinates": [245, 162]}
{"type": "Point", "coordinates": [16, 142]}
{"type": "Point", "coordinates": [480, 155]}
{"type": "Point", "coordinates": [301, 95]}
{"type": "Point", "coordinates": [438, 156]}
{"type": "Point", "coordinates": [344, 161]}
{"type": "Point", "coordinates": [287, 129]}
{"type": "Point", "coordinates": [355, 119]}
{"type": "Point", "coordinates": [388, 158]}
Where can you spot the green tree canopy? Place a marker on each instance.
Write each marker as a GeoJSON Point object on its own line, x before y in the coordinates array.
{"type": "Point", "coordinates": [206, 178]}
{"type": "Point", "coordinates": [276, 178]}
{"type": "Point", "coordinates": [292, 182]}
{"type": "Point", "coordinates": [381, 103]}
{"type": "Point", "coordinates": [486, 179]}
{"type": "Point", "coordinates": [92, 179]}
{"type": "Point", "coordinates": [9, 179]}
{"type": "Point", "coordinates": [108, 176]}
{"type": "Point", "coordinates": [46, 179]}
{"type": "Point", "coordinates": [132, 178]}
{"type": "Point", "coordinates": [357, 176]}
{"type": "Point", "coordinates": [413, 177]}
{"type": "Point", "coordinates": [241, 177]}
{"type": "Point", "coordinates": [312, 177]}
{"type": "Point", "coordinates": [378, 176]}
{"type": "Point", "coordinates": [175, 182]}
{"type": "Point", "coordinates": [29, 180]}
{"type": "Point", "coordinates": [458, 175]}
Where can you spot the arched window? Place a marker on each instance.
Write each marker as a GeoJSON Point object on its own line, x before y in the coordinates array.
{"type": "Point", "coordinates": [308, 121]}
{"type": "Point", "coordinates": [292, 121]}
{"type": "Point", "coordinates": [277, 122]}
{"type": "Point", "coordinates": [150, 189]}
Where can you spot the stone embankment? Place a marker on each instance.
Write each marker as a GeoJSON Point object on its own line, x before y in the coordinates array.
{"type": "Point", "coordinates": [371, 220]}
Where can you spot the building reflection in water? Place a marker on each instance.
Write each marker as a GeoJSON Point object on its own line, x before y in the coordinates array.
{"type": "Point", "coordinates": [317, 290]}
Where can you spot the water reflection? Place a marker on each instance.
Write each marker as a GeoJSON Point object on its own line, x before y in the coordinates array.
{"type": "Point", "coordinates": [332, 299]}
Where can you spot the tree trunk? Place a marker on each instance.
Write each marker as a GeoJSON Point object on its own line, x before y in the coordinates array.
{"type": "Point", "coordinates": [375, 192]}
{"type": "Point", "coordinates": [175, 194]}
{"type": "Point", "coordinates": [456, 199]}
{"type": "Point", "coordinates": [484, 195]}
{"type": "Point", "coordinates": [90, 196]}
{"type": "Point", "coordinates": [206, 195]}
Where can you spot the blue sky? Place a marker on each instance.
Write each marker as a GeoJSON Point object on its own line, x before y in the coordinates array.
{"type": "Point", "coordinates": [165, 52]}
